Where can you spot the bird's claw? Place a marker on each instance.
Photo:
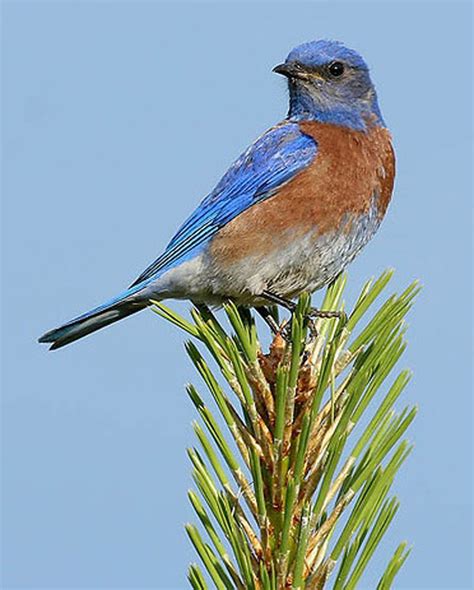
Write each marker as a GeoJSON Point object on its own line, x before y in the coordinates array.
{"type": "Point", "coordinates": [312, 315]}
{"type": "Point", "coordinates": [326, 314]}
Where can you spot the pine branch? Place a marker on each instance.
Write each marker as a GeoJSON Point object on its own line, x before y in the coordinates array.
{"type": "Point", "coordinates": [302, 481]}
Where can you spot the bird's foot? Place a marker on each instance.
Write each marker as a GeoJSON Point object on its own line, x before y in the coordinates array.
{"type": "Point", "coordinates": [313, 314]}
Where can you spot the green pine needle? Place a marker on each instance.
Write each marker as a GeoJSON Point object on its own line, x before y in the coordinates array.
{"type": "Point", "coordinates": [301, 445]}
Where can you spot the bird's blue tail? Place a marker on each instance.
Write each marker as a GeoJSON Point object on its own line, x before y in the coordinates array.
{"type": "Point", "coordinates": [112, 311]}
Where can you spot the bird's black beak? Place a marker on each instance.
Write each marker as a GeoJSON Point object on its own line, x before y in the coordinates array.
{"type": "Point", "coordinates": [294, 70]}
{"type": "Point", "coordinates": [283, 69]}
{"type": "Point", "coordinates": [288, 70]}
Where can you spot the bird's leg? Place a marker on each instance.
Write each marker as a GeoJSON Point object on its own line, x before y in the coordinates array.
{"type": "Point", "coordinates": [268, 318]}
{"type": "Point", "coordinates": [313, 312]}
{"type": "Point", "coordinates": [286, 303]}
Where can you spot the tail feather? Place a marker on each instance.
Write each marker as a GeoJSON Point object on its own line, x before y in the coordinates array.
{"type": "Point", "coordinates": [109, 313]}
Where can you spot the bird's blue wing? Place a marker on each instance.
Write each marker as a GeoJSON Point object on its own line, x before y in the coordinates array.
{"type": "Point", "coordinates": [274, 159]}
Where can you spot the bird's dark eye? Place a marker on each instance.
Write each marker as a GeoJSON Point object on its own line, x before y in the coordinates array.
{"type": "Point", "coordinates": [336, 69]}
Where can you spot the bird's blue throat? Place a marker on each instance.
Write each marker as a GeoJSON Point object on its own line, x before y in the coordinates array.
{"type": "Point", "coordinates": [304, 107]}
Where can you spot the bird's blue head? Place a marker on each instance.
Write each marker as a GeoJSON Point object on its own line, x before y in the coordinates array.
{"type": "Point", "coordinates": [329, 82]}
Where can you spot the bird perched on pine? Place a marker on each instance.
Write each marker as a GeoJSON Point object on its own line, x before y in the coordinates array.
{"type": "Point", "coordinates": [290, 213]}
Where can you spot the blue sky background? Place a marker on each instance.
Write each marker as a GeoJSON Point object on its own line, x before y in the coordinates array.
{"type": "Point", "coordinates": [118, 117]}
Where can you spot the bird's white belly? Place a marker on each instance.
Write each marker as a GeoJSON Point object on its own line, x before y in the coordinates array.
{"type": "Point", "coordinates": [306, 264]}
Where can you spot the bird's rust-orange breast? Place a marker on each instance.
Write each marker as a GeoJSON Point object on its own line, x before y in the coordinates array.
{"type": "Point", "coordinates": [352, 170]}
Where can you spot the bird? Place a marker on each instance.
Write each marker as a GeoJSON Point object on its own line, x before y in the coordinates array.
{"type": "Point", "coordinates": [290, 213]}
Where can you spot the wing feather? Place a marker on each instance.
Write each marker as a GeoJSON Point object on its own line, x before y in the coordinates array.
{"type": "Point", "coordinates": [270, 162]}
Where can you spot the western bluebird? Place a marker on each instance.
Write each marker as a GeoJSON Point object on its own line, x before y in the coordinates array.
{"type": "Point", "coordinates": [290, 213]}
